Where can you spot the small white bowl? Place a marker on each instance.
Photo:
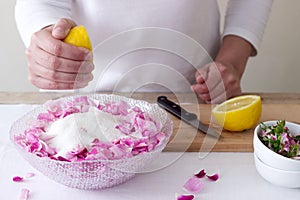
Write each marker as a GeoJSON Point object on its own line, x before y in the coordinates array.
{"type": "Point", "coordinates": [272, 158]}
{"type": "Point", "coordinates": [283, 178]}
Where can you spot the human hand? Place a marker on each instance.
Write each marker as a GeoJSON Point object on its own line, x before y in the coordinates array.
{"type": "Point", "coordinates": [54, 64]}
{"type": "Point", "coordinates": [216, 82]}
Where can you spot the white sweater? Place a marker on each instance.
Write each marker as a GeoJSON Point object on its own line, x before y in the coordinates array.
{"type": "Point", "coordinates": [150, 45]}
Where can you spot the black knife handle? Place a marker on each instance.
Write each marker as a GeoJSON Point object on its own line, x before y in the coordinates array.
{"type": "Point", "coordinates": [175, 109]}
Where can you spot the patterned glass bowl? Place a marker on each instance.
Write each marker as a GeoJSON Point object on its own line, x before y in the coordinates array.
{"type": "Point", "coordinates": [94, 174]}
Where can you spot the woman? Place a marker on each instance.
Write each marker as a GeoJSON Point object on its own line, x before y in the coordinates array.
{"type": "Point", "coordinates": [150, 45]}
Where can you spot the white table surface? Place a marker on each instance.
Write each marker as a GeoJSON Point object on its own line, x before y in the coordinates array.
{"type": "Point", "coordinates": [238, 176]}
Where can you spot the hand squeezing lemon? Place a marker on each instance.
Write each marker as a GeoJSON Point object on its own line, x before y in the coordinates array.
{"type": "Point", "coordinates": [239, 113]}
{"type": "Point", "coordinates": [79, 37]}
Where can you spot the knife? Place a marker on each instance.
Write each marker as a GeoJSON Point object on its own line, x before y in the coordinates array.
{"type": "Point", "coordinates": [187, 117]}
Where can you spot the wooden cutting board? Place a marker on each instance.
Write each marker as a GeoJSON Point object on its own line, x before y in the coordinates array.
{"type": "Point", "coordinates": [186, 138]}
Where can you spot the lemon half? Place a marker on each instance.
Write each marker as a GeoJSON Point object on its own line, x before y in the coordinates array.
{"type": "Point", "coordinates": [239, 113]}
{"type": "Point", "coordinates": [79, 37]}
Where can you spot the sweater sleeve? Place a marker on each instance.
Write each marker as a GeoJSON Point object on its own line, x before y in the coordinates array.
{"type": "Point", "coordinates": [247, 19]}
{"type": "Point", "coordinates": [32, 15]}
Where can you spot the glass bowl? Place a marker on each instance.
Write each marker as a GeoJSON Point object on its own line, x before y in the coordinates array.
{"type": "Point", "coordinates": [94, 174]}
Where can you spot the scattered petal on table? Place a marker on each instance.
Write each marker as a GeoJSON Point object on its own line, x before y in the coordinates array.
{"type": "Point", "coordinates": [193, 185]}
{"type": "Point", "coordinates": [24, 194]}
{"type": "Point", "coordinates": [201, 174]}
{"type": "Point", "coordinates": [185, 197]}
{"type": "Point", "coordinates": [17, 179]}
{"type": "Point", "coordinates": [29, 175]}
{"type": "Point", "coordinates": [213, 177]}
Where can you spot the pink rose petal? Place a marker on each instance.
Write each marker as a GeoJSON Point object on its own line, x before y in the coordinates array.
{"type": "Point", "coordinates": [185, 197]}
{"type": "Point", "coordinates": [145, 132]}
{"type": "Point", "coordinates": [193, 185]}
{"type": "Point", "coordinates": [214, 177]}
{"type": "Point", "coordinates": [201, 174]}
{"type": "Point", "coordinates": [24, 194]}
{"type": "Point", "coordinates": [17, 179]}
{"type": "Point", "coordinates": [29, 175]}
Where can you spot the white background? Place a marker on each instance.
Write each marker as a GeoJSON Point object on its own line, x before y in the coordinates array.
{"type": "Point", "coordinates": [275, 69]}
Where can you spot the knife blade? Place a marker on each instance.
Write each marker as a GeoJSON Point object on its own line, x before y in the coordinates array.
{"type": "Point", "coordinates": [187, 117]}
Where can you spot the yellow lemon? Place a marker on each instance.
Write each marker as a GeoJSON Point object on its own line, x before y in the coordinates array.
{"type": "Point", "coordinates": [239, 113]}
{"type": "Point", "coordinates": [79, 37]}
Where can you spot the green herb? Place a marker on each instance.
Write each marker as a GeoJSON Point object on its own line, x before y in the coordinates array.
{"type": "Point", "coordinates": [278, 138]}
